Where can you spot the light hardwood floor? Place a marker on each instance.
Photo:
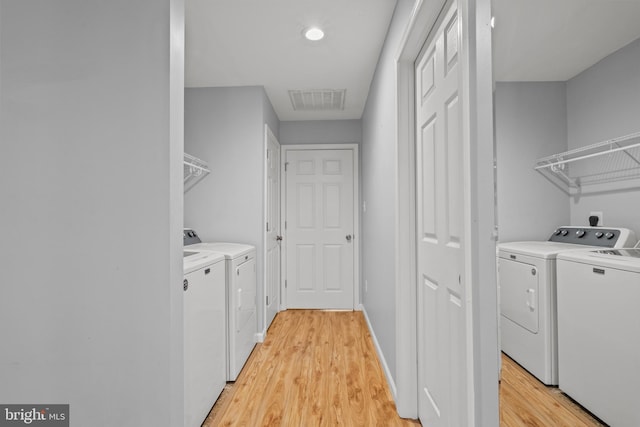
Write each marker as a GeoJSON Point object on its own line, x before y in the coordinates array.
{"type": "Point", "coordinates": [526, 402]}
{"type": "Point", "coordinates": [316, 368]}
{"type": "Point", "coordinates": [319, 368]}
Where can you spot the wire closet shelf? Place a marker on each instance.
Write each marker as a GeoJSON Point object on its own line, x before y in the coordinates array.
{"type": "Point", "coordinates": [194, 171]}
{"type": "Point", "coordinates": [607, 161]}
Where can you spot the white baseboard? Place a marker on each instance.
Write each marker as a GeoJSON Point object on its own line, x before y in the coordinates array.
{"type": "Point", "coordinates": [383, 361]}
{"type": "Point", "coordinates": [260, 336]}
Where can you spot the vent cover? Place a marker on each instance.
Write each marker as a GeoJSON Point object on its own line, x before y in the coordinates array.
{"type": "Point", "coordinates": [317, 100]}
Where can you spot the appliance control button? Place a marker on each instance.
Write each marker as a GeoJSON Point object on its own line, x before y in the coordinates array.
{"type": "Point", "coordinates": [609, 235]}
{"type": "Point", "coordinates": [564, 232]}
{"type": "Point", "coordinates": [599, 234]}
{"type": "Point", "coordinates": [580, 233]}
{"type": "Point", "coordinates": [557, 232]}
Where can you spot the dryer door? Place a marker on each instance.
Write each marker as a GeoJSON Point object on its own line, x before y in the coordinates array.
{"type": "Point", "coordinates": [246, 295]}
{"type": "Point", "coordinates": [519, 293]}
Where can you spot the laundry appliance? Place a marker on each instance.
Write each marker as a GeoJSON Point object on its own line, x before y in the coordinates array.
{"type": "Point", "coordinates": [527, 292]}
{"type": "Point", "coordinates": [240, 297]}
{"type": "Point", "coordinates": [205, 354]}
{"type": "Point", "coordinates": [599, 330]}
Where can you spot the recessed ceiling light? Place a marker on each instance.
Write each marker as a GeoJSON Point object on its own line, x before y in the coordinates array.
{"type": "Point", "coordinates": [314, 34]}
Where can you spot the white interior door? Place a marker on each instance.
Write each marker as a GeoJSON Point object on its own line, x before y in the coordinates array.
{"type": "Point", "coordinates": [440, 228]}
{"type": "Point", "coordinates": [319, 234]}
{"type": "Point", "coordinates": [273, 236]}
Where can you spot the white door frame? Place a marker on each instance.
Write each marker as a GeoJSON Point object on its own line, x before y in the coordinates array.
{"type": "Point", "coordinates": [262, 335]}
{"type": "Point", "coordinates": [356, 213]}
{"type": "Point", "coordinates": [481, 291]}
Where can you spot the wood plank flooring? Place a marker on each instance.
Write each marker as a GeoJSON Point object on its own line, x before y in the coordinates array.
{"type": "Point", "coordinates": [319, 368]}
{"type": "Point", "coordinates": [316, 368]}
{"type": "Point", "coordinates": [526, 402]}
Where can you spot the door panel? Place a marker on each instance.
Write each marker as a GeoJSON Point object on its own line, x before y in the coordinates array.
{"type": "Point", "coordinates": [320, 225]}
{"type": "Point", "coordinates": [273, 249]}
{"type": "Point", "coordinates": [440, 229]}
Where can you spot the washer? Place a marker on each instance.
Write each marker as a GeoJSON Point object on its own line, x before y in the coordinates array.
{"type": "Point", "coordinates": [205, 353]}
{"type": "Point", "coordinates": [598, 327]}
{"type": "Point", "coordinates": [527, 289]}
{"type": "Point", "coordinates": [240, 296]}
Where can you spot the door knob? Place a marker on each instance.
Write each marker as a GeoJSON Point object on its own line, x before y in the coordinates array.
{"type": "Point", "coordinates": [348, 237]}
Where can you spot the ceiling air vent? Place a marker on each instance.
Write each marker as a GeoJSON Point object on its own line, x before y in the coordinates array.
{"type": "Point", "coordinates": [317, 100]}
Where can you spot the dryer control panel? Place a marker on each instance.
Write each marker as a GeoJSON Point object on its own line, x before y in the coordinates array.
{"type": "Point", "coordinates": [595, 236]}
{"type": "Point", "coordinates": [190, 237]}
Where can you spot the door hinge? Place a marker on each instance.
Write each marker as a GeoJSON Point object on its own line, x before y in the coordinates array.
{"type": "Point", "coordinates": [286, 165]}
{"type": "Point", "coordinates": [285, 284]}
{"type": "Point", "coordinates": [267, 226]}
{"type": "Point", "coordinates": [267, 299]}
{"type": "Point", "coordinates": [285, 225]}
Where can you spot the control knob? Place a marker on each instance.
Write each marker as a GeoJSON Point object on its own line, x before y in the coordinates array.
{"type": "Point", "coordinates": [609, 235]}
{"type": "Point", "coordinates": [564, 232]}
{"type": "Point", "coordinates": [599, 234]}
{"type": "Point", "coordinates": [557, 232]}
{"type": "Point", "coordinates": [580, 234]}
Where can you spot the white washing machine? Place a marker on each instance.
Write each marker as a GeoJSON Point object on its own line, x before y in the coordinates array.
{"type": "Point", "coordinates": [205, 355]}
{"type": "Point", "coordinates": [241, 298]}
{"type": "Point", "coordinates": [527, 289]}
{"type": "Point", "coordinates": [599, 332]}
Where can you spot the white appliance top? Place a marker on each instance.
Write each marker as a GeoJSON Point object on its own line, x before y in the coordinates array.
{"type": "Point", "coordinates": [545, 250]}
{"type": "Point", "coordinates": [229, 250]}
{"type": "Point", "coordinates": [191, 241]}
{"type": "Point", "coordinates": [627, 259]}
{"type": "Point", "coordinates": [196, 259]}
{"type": "Point", "coordinates": [569, 238]}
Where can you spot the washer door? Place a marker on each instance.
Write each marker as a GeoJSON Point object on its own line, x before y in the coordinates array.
{"type": "Point", "coordinates": [519, 293]}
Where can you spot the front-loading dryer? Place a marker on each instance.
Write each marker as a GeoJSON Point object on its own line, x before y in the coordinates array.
{"type": "Point", "coordinates": [598, 327]}
{"type": "Point", "coordinates": [527, 293]}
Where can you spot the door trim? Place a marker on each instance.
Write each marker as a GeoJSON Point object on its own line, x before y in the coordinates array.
{"type": "Point", "coordinates": [482, 309]}
{"type": "Point", "coordinates": [356, 212]}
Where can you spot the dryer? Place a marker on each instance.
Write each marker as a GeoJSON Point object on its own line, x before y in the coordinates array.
{"type": "Point", "coordinates": [205, 369]}
{"type": "Point", "coordinates": [598, 327]}
{"type": "Point", "coordinates": [527, 292]}
{"type": "Point", "coordinates": [241, 292]}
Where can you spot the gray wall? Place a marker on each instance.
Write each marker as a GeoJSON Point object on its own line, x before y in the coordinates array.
{"type": "Point", "coordinates": [90, 284]}
{"type": "Point", "coordinates": [603, 102]}
{"type": "Point", "coordinates": [378, 152]}
{"type": "Point", "coordinates": [321, 132]}
{"type": "Point", "coordinates": [225, 128]}
{"type": "Point", "coordinates": [530, 121]}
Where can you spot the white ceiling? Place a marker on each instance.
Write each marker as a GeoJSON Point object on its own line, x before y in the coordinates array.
{"type": "Point", "coordinates": [554, 40]}
{"type": "Point", "coordinates": [260, 43]}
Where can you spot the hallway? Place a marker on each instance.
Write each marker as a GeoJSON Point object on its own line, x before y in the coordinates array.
{"type": "Point", "coordinates": [315, 368]}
